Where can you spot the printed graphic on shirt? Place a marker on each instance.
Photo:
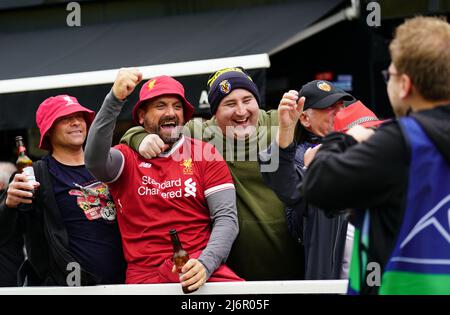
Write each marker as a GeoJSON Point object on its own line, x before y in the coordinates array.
{"type": "Point", "coordinates": [168, 189]}
{"type": "Point", "coordinates": [190, 189]}
{"type": "Point", "coordinates": [145, 165]}
{"type": "Point", "coordinates": [95, 200]}
{"type": "Point", "coordinates": [432, 228]}
{"type": "Point", "coordinates": [187, 167]}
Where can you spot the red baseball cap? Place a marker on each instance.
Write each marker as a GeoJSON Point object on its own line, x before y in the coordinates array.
{"type": "Point", "coordinates": [162, 85]}
{"type": "Point", "coordinates": [355, 114]}
{"type": "Point", "coordinates": [56, 107]}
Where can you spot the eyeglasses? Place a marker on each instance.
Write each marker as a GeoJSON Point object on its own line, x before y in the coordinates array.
{"type": "Point", "coordinates": [387, 75]}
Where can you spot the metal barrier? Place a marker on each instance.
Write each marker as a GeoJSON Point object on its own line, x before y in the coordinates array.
{"type": "Point", "coordinates": [210, 288]}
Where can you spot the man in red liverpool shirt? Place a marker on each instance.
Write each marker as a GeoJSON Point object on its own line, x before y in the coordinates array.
{"type": "Point", "coordinates": [187, 187]}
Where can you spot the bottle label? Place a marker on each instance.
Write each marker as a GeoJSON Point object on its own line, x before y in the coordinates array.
{"type": "Point", "coordinates": [29, 172]}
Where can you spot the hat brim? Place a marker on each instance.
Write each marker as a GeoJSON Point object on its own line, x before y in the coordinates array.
{"type": "Point", "coordinates": [372, 123]}
{"type": "Point", "coordinates": [367, 124]}
{"type": "Point", "coordinates": [188, 109]}
{"type": "Point", "coordinates": [331, 99]}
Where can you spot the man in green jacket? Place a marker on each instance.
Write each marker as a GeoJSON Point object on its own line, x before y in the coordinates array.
{"type": "Point", "coordinates": [239, 129]}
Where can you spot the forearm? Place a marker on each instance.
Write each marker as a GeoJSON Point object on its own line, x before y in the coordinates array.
{"type": "Point", "coordinates": [101, 160]}
{"type": "Point", "coordinates": [285, 136]}
{"type": "Point", "coordinates": [344, 174]}
{"type": "Point", "coordinates": [225, 228]}
{"type": "Point", "coordinates": [286, 178]}
{"type": "Point", "coordinates": [133, 137]}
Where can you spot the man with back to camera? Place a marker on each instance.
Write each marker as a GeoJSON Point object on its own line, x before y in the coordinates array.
{"type": "Point", "coordinates": [398, 176]}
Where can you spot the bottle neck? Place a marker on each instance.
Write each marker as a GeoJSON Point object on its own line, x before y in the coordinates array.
{"type": "Point", "coordinates": [176, 242]}
{"type": "Point", "coordinates": [22, 150]}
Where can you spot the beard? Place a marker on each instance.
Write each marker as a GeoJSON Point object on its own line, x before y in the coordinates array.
{"type": "Point", "coordinates": [170, 136]}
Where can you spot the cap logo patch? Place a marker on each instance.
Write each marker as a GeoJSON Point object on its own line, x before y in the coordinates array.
{"type": "Point", "coordinates": [68, 100]}
{"type": "Point", "coordinates": [222, 71]}
{"type": "Point", "coordinates": [324, 86]}
{"type": "Point", "coordinates": [151, 84]}
{"type": "Point", "coordinates": [225, 87]}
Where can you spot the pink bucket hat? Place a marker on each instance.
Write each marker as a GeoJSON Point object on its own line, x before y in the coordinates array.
{"type": "Point", "coordinates": [56, 107]}
{"type": "Point", "coordinates": [162, 85]}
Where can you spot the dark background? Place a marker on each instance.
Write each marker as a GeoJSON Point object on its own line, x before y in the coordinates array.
{"type": "Point", "coordinates": [347, 48]}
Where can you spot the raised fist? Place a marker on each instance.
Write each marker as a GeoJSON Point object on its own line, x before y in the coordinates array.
{"type": "Point", "coordinates": [125, 82]}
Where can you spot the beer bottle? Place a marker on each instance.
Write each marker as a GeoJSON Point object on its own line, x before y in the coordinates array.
{"type": "Point", "coordinates": [180, 256]}
{"type": "Point", "coordinates": [24, 164]}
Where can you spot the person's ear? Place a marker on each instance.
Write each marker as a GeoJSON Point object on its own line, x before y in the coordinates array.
{"type": "Point", "coordinates": [406, 86]}
{"type": "Point", "coordinates": [141, 116]}
{"type": "Point", "coordinates": [305, 120]}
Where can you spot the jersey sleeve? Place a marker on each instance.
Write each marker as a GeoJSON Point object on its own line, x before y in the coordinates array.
{"type": "Point", "coordinates": [124, 151]}
{"type": "Point", "coordinates": [216, 174]}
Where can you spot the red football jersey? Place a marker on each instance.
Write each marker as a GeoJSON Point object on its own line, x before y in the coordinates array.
{"type": "Point", "coordinates": [155, 195]}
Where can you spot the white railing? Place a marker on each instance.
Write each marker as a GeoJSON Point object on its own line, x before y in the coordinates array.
{"type": "Point", "coordinates": [210, 288]}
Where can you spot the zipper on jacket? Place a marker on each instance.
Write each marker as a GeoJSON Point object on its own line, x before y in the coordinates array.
{"type": "Point", "coordinates": [335, 244]}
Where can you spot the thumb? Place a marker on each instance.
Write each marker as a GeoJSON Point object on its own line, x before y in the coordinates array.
{"type": "Point", "coordinates": [174, 269]}
{"type": "Point", "coordinates": [139, 77]}
{"type": "Point", "coordinates": [165, 147]}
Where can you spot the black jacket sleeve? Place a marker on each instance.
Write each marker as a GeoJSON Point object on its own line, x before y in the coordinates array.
{"type": "Point", "coordinates": [8, 220]}
{"type": "Point", "coordinates": [345, 174]}
{"type": "Point", "coordinates": [286, 179]}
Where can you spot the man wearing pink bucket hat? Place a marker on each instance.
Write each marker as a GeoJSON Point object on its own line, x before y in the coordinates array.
{"type": "Point", "coordinates": [187, 187]}
{"type": "Point", "coordinates": [70, 225]}
{"type": "Point", "coordinates": [58, 108]}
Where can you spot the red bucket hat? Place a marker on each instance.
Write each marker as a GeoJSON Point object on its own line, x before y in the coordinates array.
{"type": "Point", "coordinates": [355, 114]}
{"type": "Point", "coordinates": [160, 86]}
{"type": "Point", "coordinates": [56, 107]}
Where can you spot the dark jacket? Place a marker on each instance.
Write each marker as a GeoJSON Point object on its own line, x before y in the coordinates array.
{"type": "Point", "coordinates": [323, 236]}
{"type": "Point", "coordinates": [45, 235]}
{"type": "Point", "coordinates": [373, 175]}
{"type": "Point", "coordinates": [11, 258]}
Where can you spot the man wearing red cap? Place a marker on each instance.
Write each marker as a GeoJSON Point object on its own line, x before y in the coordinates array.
{"type": "Point", "coordinates": [187, 188]}
{"type": "Point", "coordinates": [70, 226]}
{"type": "Point", "coordinates": [355, 114]}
